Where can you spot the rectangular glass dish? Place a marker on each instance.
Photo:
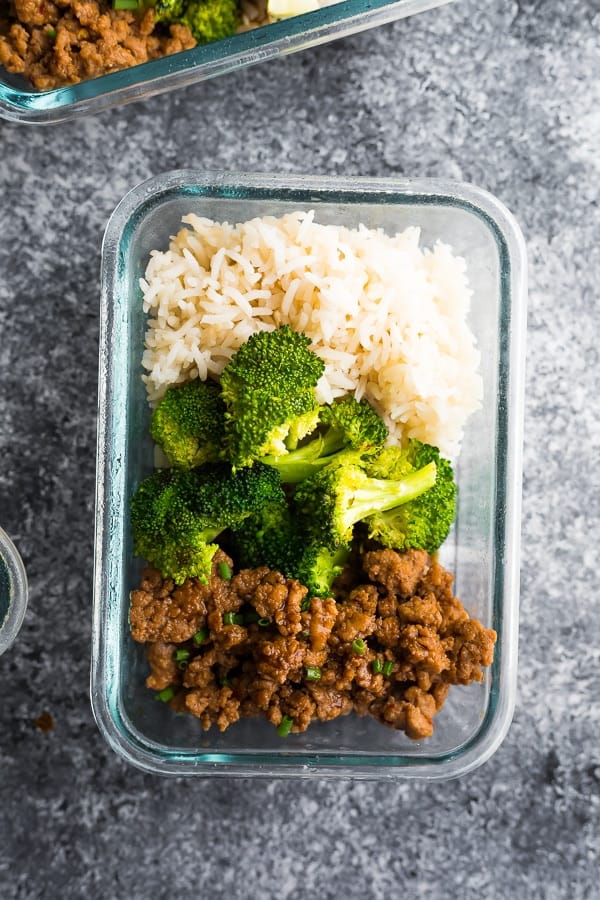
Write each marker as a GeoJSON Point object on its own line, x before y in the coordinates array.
{"type": "Point", "coordinates": [19, 101]}
{"type": "Point", "coordinates": [482, 550]}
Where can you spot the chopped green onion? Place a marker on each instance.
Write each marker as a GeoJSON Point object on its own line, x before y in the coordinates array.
{"type": "Point", "coordinates": [303, 636]}
{"type": "Point", "coordinates": [359, 646]}
{"type": "Point", "coordinates": [251, 618]}
{"type": "Point", "coordinates": [388, 667]}
{"type": "Point", "coordinates": [200, 636]}
{"type": "Point", "coordinates": [313, 673]}
{"type": "Point", "coordinates": [285, 726]}
{"type": "Point", "coordinates": [182, 665]}
{"type": "Point", "coordinates": [125, 4]}
{"type": "Point", "coordinates": [377, 666]}
{"type": "Point", "coordinates": [165, 695]}
{"type": "Point", "coordinates": [233, 618]}
{"type": "Point", "coordinates": [305, 605]}
{"type": "Point", "coordinates": [264, 622]}
{"type": "Point", "coordinates": [181, 655]}
{"type": "Point", "coordinates": [51, 32]}
{"type": "Point", "coordinates": [224, 571]}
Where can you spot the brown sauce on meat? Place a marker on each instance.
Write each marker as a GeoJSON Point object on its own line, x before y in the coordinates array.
{"type": "Point", "coordinates": [54, 43]}
{"type": "Point", "coordinates": [58, 43]}
{"type": "Point", "coordinates": [389, 645]}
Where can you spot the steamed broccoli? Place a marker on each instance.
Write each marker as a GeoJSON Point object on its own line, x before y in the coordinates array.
{"type": "Point", "coordinates": [267, 538]}
{"type": "Point", "coordinates": [329, 503]}
{"type": "Point", "coordinates": [269, 390]}
{"type": "Point", "coordinates": [270, 538]}
{"type": "Point", "coordinates": [176, 514]}
{"type": "Point", "coordinates": [425, 521]}
{"type": "Point", "coordinates": [317, 567]}
{"type": "Point", "coordinates": [350, 424]}
{"type": "Point", "coordinates": [211, 20]}
{"type": "Point", "coordinates": [189, 422]}
{"type": "Point", "coordinates": [167, 11]}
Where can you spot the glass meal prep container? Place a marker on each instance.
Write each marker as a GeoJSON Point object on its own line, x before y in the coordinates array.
{"type": "Point", "coordinates": [13, 592]}
{"type": "Point", "coordinates": [21, 102]}
{"type": "Point", "coordinates": [483, 547]}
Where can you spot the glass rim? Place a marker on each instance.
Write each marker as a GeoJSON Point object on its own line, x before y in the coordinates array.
{"type": "Point", "coordinates": [23, 103]}
{"type": "Point", "coordinates": [18, 591]}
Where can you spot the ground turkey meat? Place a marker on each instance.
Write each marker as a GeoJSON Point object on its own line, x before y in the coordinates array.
{"type": "Point", "coordinates": [53, 44]}
{"type": "Point", "coordinates": [389, 645]}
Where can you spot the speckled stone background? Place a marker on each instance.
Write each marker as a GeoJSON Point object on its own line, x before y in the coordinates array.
{"type": "Point", "coordinates": [503, 94]}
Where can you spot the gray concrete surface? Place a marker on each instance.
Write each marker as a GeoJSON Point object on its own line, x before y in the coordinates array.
{"type": "Point", "coordinates": [503, 94]}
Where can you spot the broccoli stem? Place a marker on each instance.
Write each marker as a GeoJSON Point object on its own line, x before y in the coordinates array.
{"type": "Point", "coordinates": [382, 494]}
{"type": "Point", "coordinates": [298, 464]}
{"type": "Point", "coordinates": [210, 534]}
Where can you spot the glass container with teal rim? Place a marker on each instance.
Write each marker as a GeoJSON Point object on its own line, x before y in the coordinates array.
{"type": "Point", "coordinates": [13, 592]}
{"type": "Point", "coordinates": [482, 550]}
{"type": "Point", "coordinates": [19, 101]}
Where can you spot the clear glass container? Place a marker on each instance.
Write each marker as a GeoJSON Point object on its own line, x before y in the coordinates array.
{"type": "Point", "coordinates": [482, 551]}
{"type": "Point", "coordinates": [13, 592]}
{"type": "Point", "coordinates": [20, 102]}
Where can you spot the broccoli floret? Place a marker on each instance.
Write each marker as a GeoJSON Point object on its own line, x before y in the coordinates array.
{"type": "Point", "coordinates": [329, 503]}
{"type": "Point", "coordinates": [318, 567]}
{"type": "Point", "coordinates": [356, 424]}
{"type": "Point", "coordinates": [270, 538]}
{"type": "Point", "coordinates": [168, 10]}
{"type": "Point", "coordinates": [425, 521]}
{"type": "Point", "coordinates": [266, 538]}
{"type": "Point", "coordinates": [211, 20]}
{"type": "Point", "coordinates": [189, 422]}
{"type": "Point", "coordinates": [165, 530]}
{"type": "Point", "coordinates": [177, 514]}
{"type": "Point", "coordinates": [349, 424]}
{"type": "Point", "coordinates": [269, 390]}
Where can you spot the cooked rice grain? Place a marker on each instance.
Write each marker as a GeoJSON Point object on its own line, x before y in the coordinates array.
{"type": "Point", "coordinates": [388, 318]}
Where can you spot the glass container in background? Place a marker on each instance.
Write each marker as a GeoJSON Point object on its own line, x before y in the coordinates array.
{"type": "Point", "coordinates": [19, 101]}
{"type": "Point", "coordinates": [13, 592]}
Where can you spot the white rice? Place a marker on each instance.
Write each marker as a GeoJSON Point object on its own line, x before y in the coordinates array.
{"type": "Point", "coordinates": [388, 318]}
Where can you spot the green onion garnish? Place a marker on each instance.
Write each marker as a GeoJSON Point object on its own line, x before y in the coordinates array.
{"type": "Point", "coordinates": [125, 4]}
{"type": "Point", "coordinates": [313, 673]}
{"type": "Point", "coordinates": [181, 655]}
{"type": "Point", "coordinates": [51, 32]}
{"type": "Point", "coordinates": [305, 605]}
{"type": "Point", "coordinates": [264, 622]}
{"type": "Point", "coordinates": [388, 667]}
{"type": "Point", "coordinates": [251, 618]}
{"type": "Point", "coordinates": [200, 636]}
{"type": "Point", "coordinates": [377, 666]}
{"type": "Point", "coordinates": [303, 636]}
{"type": "Point", "coordinates": [285, 726]}
{"type": "Point", "coordinates": [224, 571]}
{"type": "Point", "coordinates": [165, 695]}
{"type": "Point", "coordinates": [182, 665]}
{"type": "Point", "coordinates": [359, 646]}
{"type": "Point", "coordinates": [233, 618]}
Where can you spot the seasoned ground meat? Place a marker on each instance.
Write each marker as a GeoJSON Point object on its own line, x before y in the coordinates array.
{"type": "Point", "coordinates": [389, 645]}
{"type": "Point", "coordinates": [54, 43]}
{"type": "Point", "coordinates": [398, 573]}
{"type": "Point", "coordinates": [61, 43]}
{"type": "Point", "coordinates": [161, 657]}
{"type": "Point", "coordinates": [159, 611]}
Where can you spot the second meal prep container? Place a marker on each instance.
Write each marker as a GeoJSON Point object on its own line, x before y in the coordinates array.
{"type": "Point", "coordinates": [21, 102]}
